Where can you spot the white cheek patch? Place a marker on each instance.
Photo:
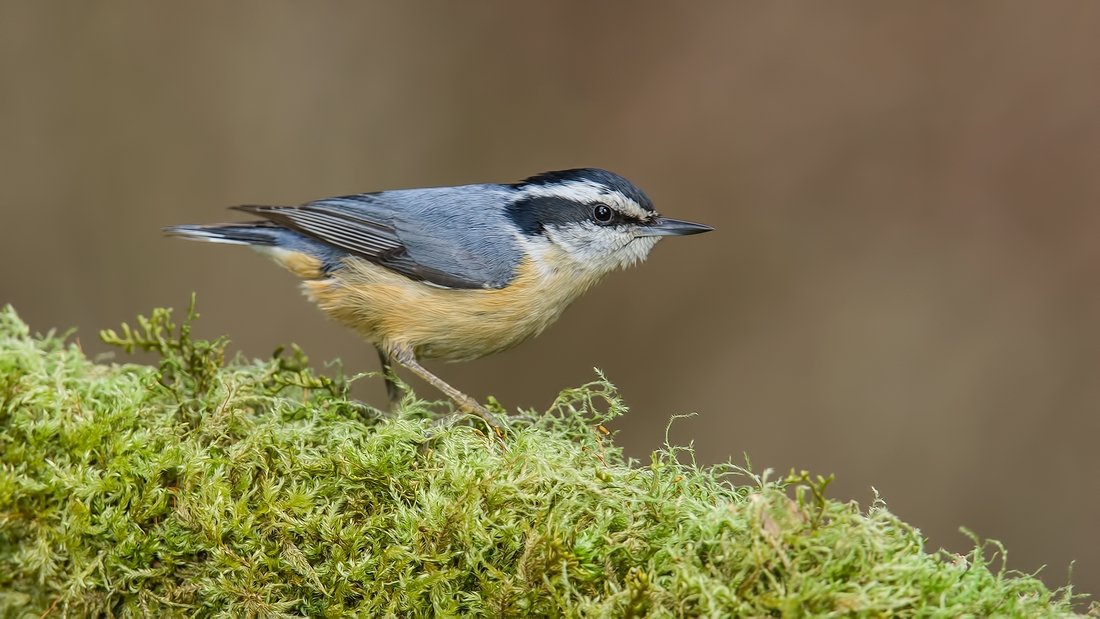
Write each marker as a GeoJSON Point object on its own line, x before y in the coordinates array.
{"type": "Point", "coordinates": [600, 250]}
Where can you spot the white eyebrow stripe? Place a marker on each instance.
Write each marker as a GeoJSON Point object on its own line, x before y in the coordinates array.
{"type": "Point", "coordinates": [587, 191]}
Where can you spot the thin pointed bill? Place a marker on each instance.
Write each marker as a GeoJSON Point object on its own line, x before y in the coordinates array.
{"type": "Point", "coordinates": [671, 227]}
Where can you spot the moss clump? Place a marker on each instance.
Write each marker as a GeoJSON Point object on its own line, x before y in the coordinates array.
{"type": "Point", "coordinates": [257, 489]}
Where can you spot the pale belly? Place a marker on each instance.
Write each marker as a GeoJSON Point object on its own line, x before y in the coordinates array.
{"type": "Point", "coordinates": [394, 312]}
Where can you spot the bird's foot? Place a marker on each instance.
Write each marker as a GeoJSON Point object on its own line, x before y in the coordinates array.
{"type": "Point", "coordinates": [469, 406]}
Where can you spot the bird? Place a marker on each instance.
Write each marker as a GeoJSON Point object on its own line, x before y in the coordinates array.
{"type": "Point", "coordinates": [454, 273]}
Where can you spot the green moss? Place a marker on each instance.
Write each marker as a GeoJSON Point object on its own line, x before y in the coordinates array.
{"type": "Point", "coordinates": [199, 488]}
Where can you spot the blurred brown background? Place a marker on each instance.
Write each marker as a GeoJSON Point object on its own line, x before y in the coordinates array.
{"type": "Point", "coordinates": [904, 284]}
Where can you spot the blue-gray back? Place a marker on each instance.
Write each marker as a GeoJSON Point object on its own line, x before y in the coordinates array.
{"type": "Point", "coordinates": [459, 237]}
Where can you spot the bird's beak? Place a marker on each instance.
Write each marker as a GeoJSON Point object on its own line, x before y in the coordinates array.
{"type": "Point", "coordinates": [671, 227]}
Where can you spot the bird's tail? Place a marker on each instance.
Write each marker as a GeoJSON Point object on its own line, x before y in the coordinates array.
{"type": "Point", "coordinates": [304, 257]}
{"type": "Point", "coordinates": [243, 233]}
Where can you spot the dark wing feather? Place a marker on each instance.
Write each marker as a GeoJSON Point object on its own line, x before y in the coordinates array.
{"type": "Point", "coordinates": [331, 222]}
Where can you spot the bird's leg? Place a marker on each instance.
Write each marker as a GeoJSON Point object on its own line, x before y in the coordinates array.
{"type": "Point", "coordinates": [392, 390]}
{"type": "Point", "coordinates": [465, 403]}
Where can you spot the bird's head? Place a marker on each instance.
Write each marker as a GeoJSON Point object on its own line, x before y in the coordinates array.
{"type": "Point", "coordinates": [598, 220]}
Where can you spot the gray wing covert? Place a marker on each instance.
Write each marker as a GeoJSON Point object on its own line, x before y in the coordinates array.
{"type": "Point", "coordinates": [436, 240]}
{"type": "Point", "coordinates": [459, 230]}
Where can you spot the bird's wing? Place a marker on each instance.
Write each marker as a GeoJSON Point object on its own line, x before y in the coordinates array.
{"type": "Point", "coordinates": [393, 231]}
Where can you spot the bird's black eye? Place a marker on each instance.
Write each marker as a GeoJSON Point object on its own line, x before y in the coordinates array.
{"type": "Point", "coordinates": [602, 213]}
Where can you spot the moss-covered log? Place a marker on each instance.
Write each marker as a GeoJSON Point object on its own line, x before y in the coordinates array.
{"type": "Point", "coordinates": [256, 489]}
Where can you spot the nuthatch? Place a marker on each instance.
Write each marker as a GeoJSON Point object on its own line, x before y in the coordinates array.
{"type": "Point", "coordinates": [455, 273]}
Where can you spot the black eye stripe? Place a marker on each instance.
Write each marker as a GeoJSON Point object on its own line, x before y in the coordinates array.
{"type": "Point", "coordinates": [533, 214]}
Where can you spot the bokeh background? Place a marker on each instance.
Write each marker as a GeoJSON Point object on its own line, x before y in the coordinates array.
{"type": "Point", "coordinates": [903, 287]}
